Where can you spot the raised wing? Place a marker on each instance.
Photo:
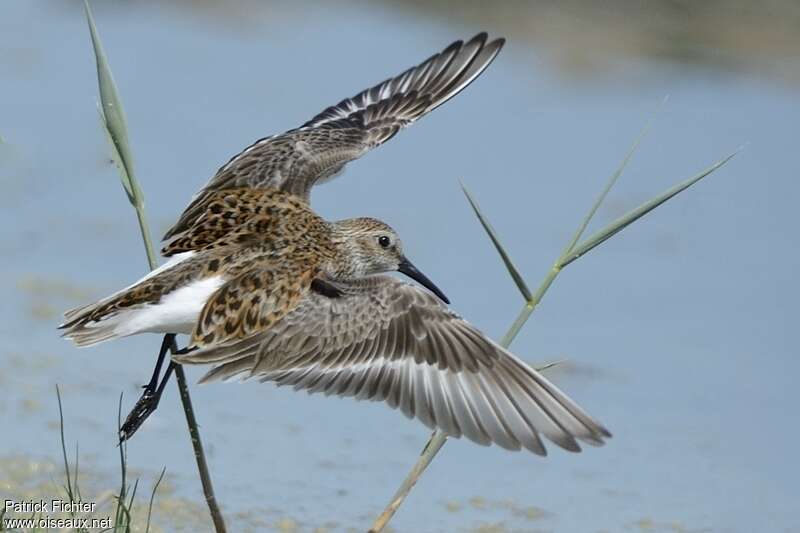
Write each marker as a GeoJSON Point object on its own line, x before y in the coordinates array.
{"type": "Point", "coordinates": [384, 340]}
{"type": "Point", "coordinates": [298, 159]}
{"type": "Point", "coordinates": [440, 77]}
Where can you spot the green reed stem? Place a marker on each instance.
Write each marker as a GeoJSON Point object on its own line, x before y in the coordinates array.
{"type": "Point", "coordinates": [113, 117]}
{"type": "Point", "coordinates": [144, 228]}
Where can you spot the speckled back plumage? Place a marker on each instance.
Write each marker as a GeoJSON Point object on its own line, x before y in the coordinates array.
{"type": "Point", "coordinates": [241, 215]}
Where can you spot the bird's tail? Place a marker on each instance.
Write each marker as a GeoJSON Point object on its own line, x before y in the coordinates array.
{"type": "Point", "coordinates": [116, 315]}
{"type": "Point", "coordinates": [86, 326]}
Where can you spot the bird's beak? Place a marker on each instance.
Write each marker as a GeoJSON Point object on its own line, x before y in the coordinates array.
{"type": "Point", "coordinates": [407, 268]}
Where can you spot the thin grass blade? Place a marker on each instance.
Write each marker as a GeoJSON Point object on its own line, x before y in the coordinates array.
{"type": "Point", "coordinates": [64, 445]}
{"type": "Point", "coordinates": [512, 269]}
{"type": "Point", "coordinates": [550, 365]}
{"type": "Point", "coordinates": [611, 182]}
{"type": "Point", "coordinates": [119, 514]}
{"type": "Point", "coordinates": [632, 216]}
{"type": "Point", "coordinates": [132, 497]}
{"type": "Point", "coordinates": [77, 487]}
{"type": "Point", "coordinates": [153, 497]}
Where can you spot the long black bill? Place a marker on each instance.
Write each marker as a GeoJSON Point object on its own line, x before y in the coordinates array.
{"type": "Point", "coordinates": [407, 268]}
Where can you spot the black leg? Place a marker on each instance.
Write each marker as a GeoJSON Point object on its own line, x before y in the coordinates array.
{"type": "Point", "coordinates": [165, 344]}
{"type": "Point", "coordinates": [148, 402]}
{"type": "Point", "coordinates": [165, 379]}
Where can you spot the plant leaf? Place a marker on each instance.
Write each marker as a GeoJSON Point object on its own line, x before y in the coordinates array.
{"type": "Point", "coordinates": [610, 184]}
{"type": "Point", "coordinates": [549, 365]}
{"type": "Point", "coordinates": [113, 115]}
{"type": "Point", "coordinates": [117, 159]}
{"type": "Point", "coordinates": [512, 270]}
{"type": "Point", "coordinates": [632, 216]}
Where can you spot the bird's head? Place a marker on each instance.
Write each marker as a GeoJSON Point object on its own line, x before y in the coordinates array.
{"type": "Point", "coordinates": [368, 246]}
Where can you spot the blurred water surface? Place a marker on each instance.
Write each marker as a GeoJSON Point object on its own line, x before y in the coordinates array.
{"type": "Point", "coordinates": [678, 332]}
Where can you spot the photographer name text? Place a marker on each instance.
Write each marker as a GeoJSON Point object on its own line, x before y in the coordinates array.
{"type": "Point", "coordinates": [49, 506]}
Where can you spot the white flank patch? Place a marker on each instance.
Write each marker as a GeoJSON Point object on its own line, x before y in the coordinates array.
{"type": "Point", "coordinates": [177, 312]}
{"type": "Point", "coordinates": [171, 262]}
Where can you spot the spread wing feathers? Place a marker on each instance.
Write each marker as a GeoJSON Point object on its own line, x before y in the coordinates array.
{"type": "Point", "coordinates": [296, 160]}
{"type": "Point", "coordinates": [385, 340]}
{"type": "Point", "coordinates": [248, 303]}
{"type": "Point", "coordinates": [440, 77]}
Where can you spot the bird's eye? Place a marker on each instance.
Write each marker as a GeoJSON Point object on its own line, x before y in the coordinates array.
{"type": "Point", "coordinates": [384, 241]}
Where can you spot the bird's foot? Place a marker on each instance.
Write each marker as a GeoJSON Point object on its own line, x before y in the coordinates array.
{"type": "Point", "coordinates": [147, 403]}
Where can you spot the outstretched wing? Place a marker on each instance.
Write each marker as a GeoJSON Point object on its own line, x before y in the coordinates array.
{"type": "Point", "coordinates": [382, 339]}
{"type": "Point", "coordinates": [440, 77]}
{"type": "Point", "coordinates": [298, 159]}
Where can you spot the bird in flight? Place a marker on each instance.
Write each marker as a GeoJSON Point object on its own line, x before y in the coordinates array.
{"type": "Point", "coordinates": [266, 288]}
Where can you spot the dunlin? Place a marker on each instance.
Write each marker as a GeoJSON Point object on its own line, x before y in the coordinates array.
{"type": "Point", "coordinates": [266, 288]}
